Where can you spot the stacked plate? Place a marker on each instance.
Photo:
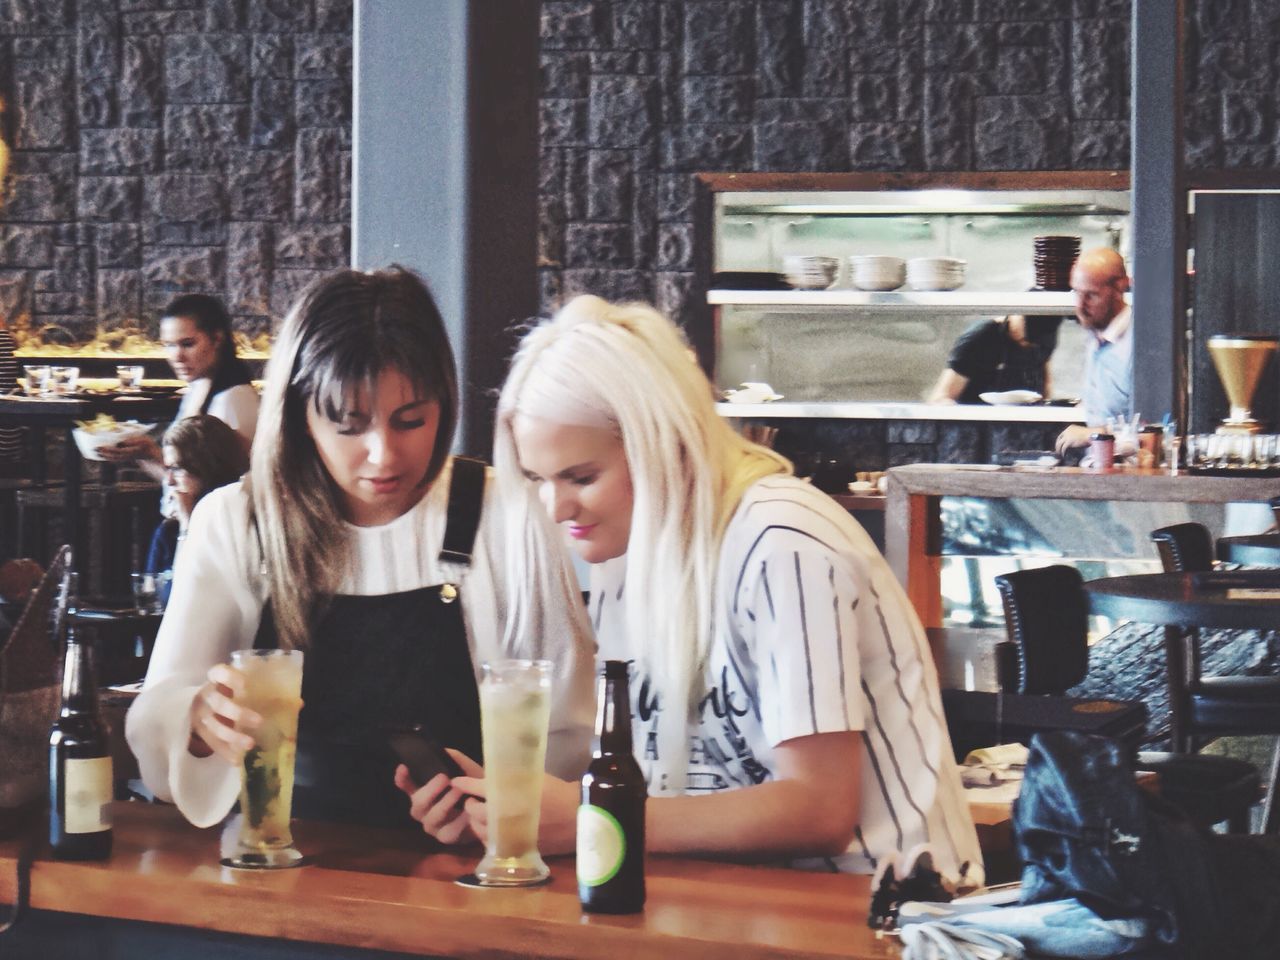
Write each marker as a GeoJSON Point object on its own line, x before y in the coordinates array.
{"type": "Point", "coordinates": [877, 272]}
{"type": "Point", "coordinates": [810, 273]}
{"type": "Point", "coordinates": [935, 273]}
{"type": "Point", "coordinates": [1054, 259]}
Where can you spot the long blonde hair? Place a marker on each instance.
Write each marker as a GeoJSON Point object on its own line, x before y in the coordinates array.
{"type": "Point", "coordinates": [628, 367]}
{"type": "Point", "coordinates": [346, 329]}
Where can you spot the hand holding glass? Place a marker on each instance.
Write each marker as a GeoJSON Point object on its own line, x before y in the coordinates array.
{"type": "Point", "coordinates": [273, 690]}
{"type": "Point", "coordinates": [515, 711]}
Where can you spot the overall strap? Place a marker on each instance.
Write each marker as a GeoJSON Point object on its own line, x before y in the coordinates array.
{"type": "Point", "coordinates": [466, 501]}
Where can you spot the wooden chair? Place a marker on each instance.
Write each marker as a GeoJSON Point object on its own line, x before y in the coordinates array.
{"type": "Point", "coordinates": [1202, 708]}
{"type": "Point", "coordinates": [1047, 618]}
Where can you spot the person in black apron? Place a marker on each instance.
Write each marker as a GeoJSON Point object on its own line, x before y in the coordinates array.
{"type": "Point", "coordinates": [357, 539]}
{"type": "Point", "coordinates": [367, 676]}
{"type": "Point", "coordinates": [994, 356]}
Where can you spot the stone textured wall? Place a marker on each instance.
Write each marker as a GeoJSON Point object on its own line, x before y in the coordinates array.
{"type": "Point", "coordinates": [171, 145]}
{"type": "Point", "coordinates": [166, 145]}
{"type": "Point", "coordinates": [640, 94]}
{"type": "Point", "coordinates": [1233, 85]}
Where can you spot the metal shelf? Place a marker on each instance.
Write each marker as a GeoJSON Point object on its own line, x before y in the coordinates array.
{"type": "Point", "coordinates": [898, 410]}
{"type": "Point", "coordinates": [954, 302]}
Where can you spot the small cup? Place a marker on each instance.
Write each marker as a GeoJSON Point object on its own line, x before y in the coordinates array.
{"type": "Point", "coordinates": [62, 380]}
{"type": "Point", "coordinates": [130, 377]}
{"type": "Point", "coordinates": [37, 379]}
{"type": "Point", "coordinates": [1102, 450]}
{"type": "Point", "coordinates": [146, 593]}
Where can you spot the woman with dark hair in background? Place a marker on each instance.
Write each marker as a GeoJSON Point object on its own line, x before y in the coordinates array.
{"type": "Point", "coordinates": [335, 544]}
{"type": "Point", "coordinates": [196, 332]}
{"type": "Point", "coordinates": [201, 453]}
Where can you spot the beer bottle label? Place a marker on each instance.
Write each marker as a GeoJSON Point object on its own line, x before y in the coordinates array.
{"type": "Point", "coordinates": [601, 845]}
{"type": "Point", "coordinates": [87, 793]}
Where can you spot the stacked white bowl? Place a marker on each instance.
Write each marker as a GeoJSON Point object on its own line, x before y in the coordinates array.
{"type": "Point", "coordinates": [935, 273]}
{"type": "Point", "coordinates": [877, 272]}
{"type": "Point", "coordinates": [810, 272]}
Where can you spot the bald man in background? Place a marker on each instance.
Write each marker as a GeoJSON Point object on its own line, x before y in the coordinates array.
{"type": "Point", "coordinates": [1099, 282]}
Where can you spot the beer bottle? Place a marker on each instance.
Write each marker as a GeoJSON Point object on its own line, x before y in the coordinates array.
{"type": "Point", "coordinates": [611, 817]}
{"type": "Point", "coordinates": [80, 776]}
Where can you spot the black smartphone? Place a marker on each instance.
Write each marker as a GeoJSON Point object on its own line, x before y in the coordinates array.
{"type": "Point", "coordinates": [422, 755]}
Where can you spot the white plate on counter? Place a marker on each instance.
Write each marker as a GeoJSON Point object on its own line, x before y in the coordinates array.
{"type": "Point", "coordinates": [1010, 398]}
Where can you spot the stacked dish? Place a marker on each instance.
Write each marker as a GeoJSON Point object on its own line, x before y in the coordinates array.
{"type": "Point", "coordinates": [877, 272]}
{"type": "Point", "coordinates": [810, 273]}
{"type": "Point", "coordinates": [935, 273]}
{"type": "Point", "coordinates": [1054, 259]}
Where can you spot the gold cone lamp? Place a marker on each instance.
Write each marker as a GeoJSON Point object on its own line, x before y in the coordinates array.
{"type": "Point", "coordinates": [1240, 359]}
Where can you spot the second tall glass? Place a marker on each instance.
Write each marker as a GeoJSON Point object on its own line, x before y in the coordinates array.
{"type": "Point", "coordinates": [515, 711]}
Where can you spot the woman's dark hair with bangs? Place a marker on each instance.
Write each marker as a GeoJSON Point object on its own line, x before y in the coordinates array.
{"type": "Point", "coordinates": [346, 329]}
{"type": "Point", "coordinates": [361, 324]}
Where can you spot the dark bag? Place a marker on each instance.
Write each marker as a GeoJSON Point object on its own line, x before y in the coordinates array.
{"type": "Point", "coordinates": [1084, 829]}
{"type": "Point", "coordinates": [29, 698]}
{"type": "Point", "coordinates": [29, 701]}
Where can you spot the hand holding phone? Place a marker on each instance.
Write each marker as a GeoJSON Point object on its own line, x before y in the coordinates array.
{"type": "Point", "coordinates": [423, 756]}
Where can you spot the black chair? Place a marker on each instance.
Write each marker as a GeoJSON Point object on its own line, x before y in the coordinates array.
{"type": "Point", "coordinates": [1020, 709]}
{"type": "Point", "coordinates": [1047, 617]}
{"type": "Point", "coordinates": [1202, 708]}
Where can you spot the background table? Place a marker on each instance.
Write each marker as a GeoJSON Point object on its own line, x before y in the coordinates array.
{"type": "Point", "coordinates": [1173, 600]}
{"type": "Point", "coordinates": [41, 413]}
{"type": "Point", "coordinates": [1258, 550]}
{"type": "Point", "coordinates": [913, 526]}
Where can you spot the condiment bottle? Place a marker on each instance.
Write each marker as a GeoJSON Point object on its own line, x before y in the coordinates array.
{"type": "Point", "coordinates": [80, 775]}
{"type": "Point", "coordinates": [611, 817]}
{"type": "Point", "coordinates": [1102, 450]}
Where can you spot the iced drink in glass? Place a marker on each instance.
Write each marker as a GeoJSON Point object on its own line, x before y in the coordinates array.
{"type": "Point", "coordinates": [273, 689]}
{"type": "Point", "coordinates": [515, 711]}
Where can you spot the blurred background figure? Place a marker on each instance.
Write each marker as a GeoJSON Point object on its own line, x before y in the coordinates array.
{"type": "Point", "coordinates": [1099, 281]}
{"type": "Point", "coordinates": [1008, 353]}
{"type": "Point", "coordinates": [201, 453]}
{"type": "Point", "coordinates": [196, 332]}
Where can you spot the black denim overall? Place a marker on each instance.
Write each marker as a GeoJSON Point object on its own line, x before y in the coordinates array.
{"type": "Point", "coordinates": [381, 663]}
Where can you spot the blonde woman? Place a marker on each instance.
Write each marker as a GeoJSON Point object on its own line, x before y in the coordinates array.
{"type": "Point", "coordinates": [336, 544]}
{"type": "Point", "coordinates": [785, 702]}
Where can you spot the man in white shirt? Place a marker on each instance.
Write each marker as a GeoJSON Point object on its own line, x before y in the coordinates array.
{"type": "Point", "coordinates": [1099, 281]}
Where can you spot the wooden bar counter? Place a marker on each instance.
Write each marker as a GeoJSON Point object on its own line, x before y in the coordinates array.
{"type": "Point", "coordinates": [913, 520]}
{"type": "Point", "coordinates": [372, 890]}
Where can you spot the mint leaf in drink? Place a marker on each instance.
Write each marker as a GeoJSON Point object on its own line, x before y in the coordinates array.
{"type": "Point", "coordinates": [262, 785]}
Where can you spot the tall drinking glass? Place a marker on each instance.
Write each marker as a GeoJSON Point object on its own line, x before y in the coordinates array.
{"type": "Point", "coordinates": [273, 689]}
{"type": "Point", "coordinates": [515, 711]}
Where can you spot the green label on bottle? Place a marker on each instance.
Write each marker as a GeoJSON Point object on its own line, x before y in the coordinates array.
{"type": "Point", "coordinates": [601, 845]}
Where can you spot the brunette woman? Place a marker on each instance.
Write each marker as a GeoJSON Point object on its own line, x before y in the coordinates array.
{"type": "Point", "coordinates": [359, 539]}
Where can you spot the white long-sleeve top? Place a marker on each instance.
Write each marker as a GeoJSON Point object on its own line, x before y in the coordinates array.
{"type": "Point", "coordinates": [217, 603]}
